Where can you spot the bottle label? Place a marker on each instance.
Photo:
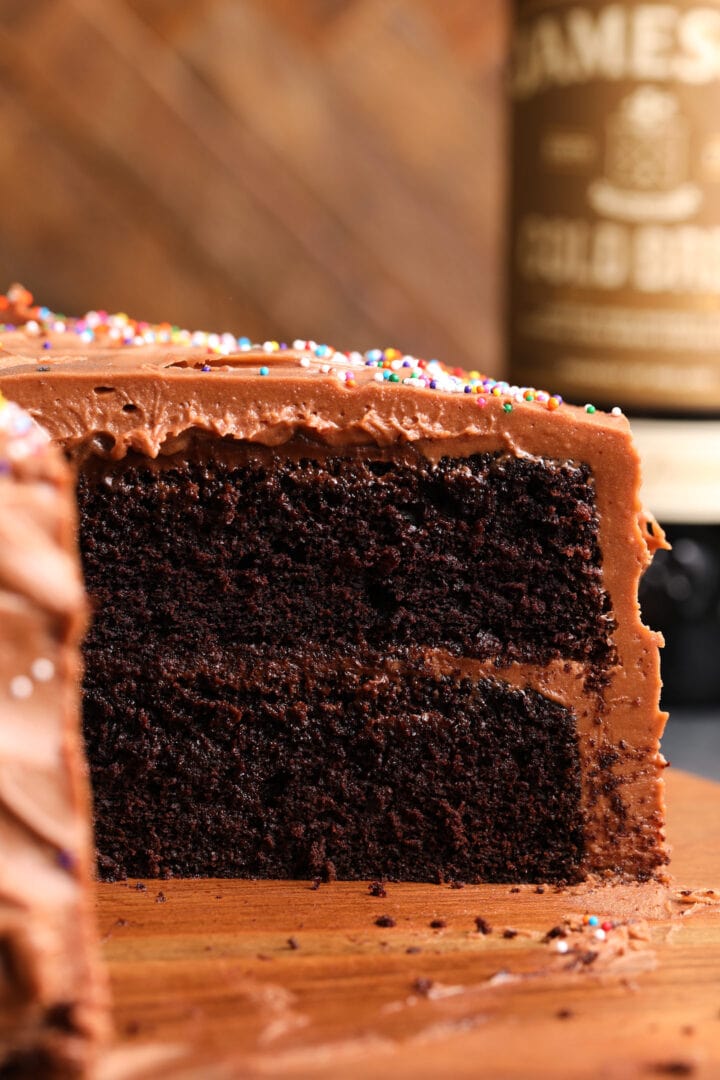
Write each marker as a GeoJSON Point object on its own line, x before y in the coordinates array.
{"type": "Point", "coordinates": [615, 201]}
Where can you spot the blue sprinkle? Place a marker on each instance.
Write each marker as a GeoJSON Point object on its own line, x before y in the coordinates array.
{"type": "Point", "coordinates": [264, 370]}
{"type": "Point", "coordinates": [468, 389]}
{"type": "Point", "coordinates": [244, 342]}
{"type": "Point", "coordinates": [206, 367]}
{"type": "Point", "coordinates": [374, 354]}
{"type": "Point", "coordinates": [321, 350]}
{"type": "Point", "coordinates": [593, 920]}
{"type": "Point", "coordinates": [433, 384]}
{"type": "Point", "coordinates": [46, 344]}
{"type": "Point", "coordinates": [386, 374]}
{"type": "Point", "coordinates": [406, 363]}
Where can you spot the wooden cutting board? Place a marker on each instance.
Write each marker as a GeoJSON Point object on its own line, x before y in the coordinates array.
{"type": "Point", "coordinates": [222, 979]}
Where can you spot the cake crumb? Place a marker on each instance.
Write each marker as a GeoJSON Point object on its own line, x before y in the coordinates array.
{"type": "Point", "coordinates": [509, 933]}
{"type": "Point", "coordinates": [540, 889]}
{"type": "Point", "coordinates": [412, 950]}
{"type": "Point", "coordinates": [140, 886]}
{"type": "Point", "coordinates": [317, 882]}
{"type": "Point", "coordinates": [437, 924]}
{"type": "Point", "coordinates": [377, 888]}
{"type": "Point", "coordinates": [482, 925]}
{"type": "Point", "coordinates": [423, 986]}
{"type": "Point", "coordinates": [515, 888]}
{"type": "Point", "coordinates": [384, 920]}
{"type": "Point", "coordinates": [555, 932]}
{"type": "Point", "coordinates": [293, 943]}
{"type": "Point", "coordinates": [564, 1014]}
{"type": "Point", "coordinates": [457, 884]}
{"type": "Point", "coordinates": [161, 898]}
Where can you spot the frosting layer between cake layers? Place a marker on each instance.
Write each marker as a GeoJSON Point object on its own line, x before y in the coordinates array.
{"type": "Point", "coordinates": [159, 416]}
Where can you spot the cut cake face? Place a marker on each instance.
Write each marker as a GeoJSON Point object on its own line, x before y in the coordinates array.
{"type": "Point", "coordinates": [355, 615]}
{"type": "Point", "coordinates": [52, 993]}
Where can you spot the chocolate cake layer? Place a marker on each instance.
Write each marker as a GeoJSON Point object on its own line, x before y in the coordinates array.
{"type": "Point", "coordinates": [216, 764]}
{"type": "Point", "coordinates": [488, 556]}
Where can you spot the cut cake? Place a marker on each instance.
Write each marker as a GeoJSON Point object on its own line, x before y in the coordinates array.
{"type": "Point", "coordinates": [355, 615]}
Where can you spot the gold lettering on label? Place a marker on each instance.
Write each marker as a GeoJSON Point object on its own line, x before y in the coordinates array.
{"type": "Point", "coordinates": [654, 42]}
{"type": "Point", "coordinates": [699, 33]}
{"type": "Point", "coordinates": [653, 36]}
{"type": "Point", "coordinates": [597, 42]}
{"type": "Point", "coordinates": [562, 150]}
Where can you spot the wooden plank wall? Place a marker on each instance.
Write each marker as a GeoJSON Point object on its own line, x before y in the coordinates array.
{"type": "Point", "coordinates": [281, 168]}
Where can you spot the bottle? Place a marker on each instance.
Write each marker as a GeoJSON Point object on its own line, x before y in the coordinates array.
{"type": "Point", "coordinates": [614, 267]}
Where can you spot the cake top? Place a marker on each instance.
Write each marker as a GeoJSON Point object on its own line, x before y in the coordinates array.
{"type": "Point", "coordinates": [34, 339]}
{"type": "Point", "coordinates": [107, 385]}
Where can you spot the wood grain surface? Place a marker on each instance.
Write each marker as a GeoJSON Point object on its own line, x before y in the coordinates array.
{"type": "Point", "coordinates": [223, 979]}
{"type": "Point", "coordinates": [328, 169]}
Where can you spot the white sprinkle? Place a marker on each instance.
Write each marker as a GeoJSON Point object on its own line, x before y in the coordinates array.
{"type": "Point", "coordinates": [616, 411]}
{"type": "Point", "coordinates": [21, 687]}
{"type": "Point", "coordinates": [561, 946]}
{"type": "Point", "coordinates": [304, 361]}
{"type": "Point", "coordinates": [298, 344]}
{"type": "Point", "coordinates": [600, 935]}
{"type": "Point", "coordinates": [378, 376]}
{"type": "Point", "coordinates": [325, 368]}
{"type": "Point", "coordinates": [42, 669]}
{"type": "Point", "coordinates": [32, 328]}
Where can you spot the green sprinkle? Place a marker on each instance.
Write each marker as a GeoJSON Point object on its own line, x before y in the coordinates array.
{"type": "Point", "coordinates": [507, 407]}
{"type": "Point", "coordinates": [590, 408]}
{"type": "Point", "coordinates": [394, 377]}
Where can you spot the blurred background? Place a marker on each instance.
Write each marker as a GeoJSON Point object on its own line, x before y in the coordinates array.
{"type": "Point", "coordinates": [329, 169]}
{"type": "Point", "coordinates": [278, 168]}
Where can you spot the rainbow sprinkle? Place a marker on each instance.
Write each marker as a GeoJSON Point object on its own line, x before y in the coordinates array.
{"type": "Point", "coordinates": [19, 313]}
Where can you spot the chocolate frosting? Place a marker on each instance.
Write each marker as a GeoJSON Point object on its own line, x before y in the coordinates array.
{"type": "Point", "coordinates": [105, 397]}
{"type": "Point", "coordinates": [53, 995]}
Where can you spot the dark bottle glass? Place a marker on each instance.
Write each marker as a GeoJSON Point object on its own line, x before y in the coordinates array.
{"type": "Point", "coordinates": [680, 595]}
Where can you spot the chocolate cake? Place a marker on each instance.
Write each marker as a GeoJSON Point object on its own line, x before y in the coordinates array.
{"type": "Point", "coordinates": [51, 994]}
{"type": "Point", "coordinates": [355, 615]}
